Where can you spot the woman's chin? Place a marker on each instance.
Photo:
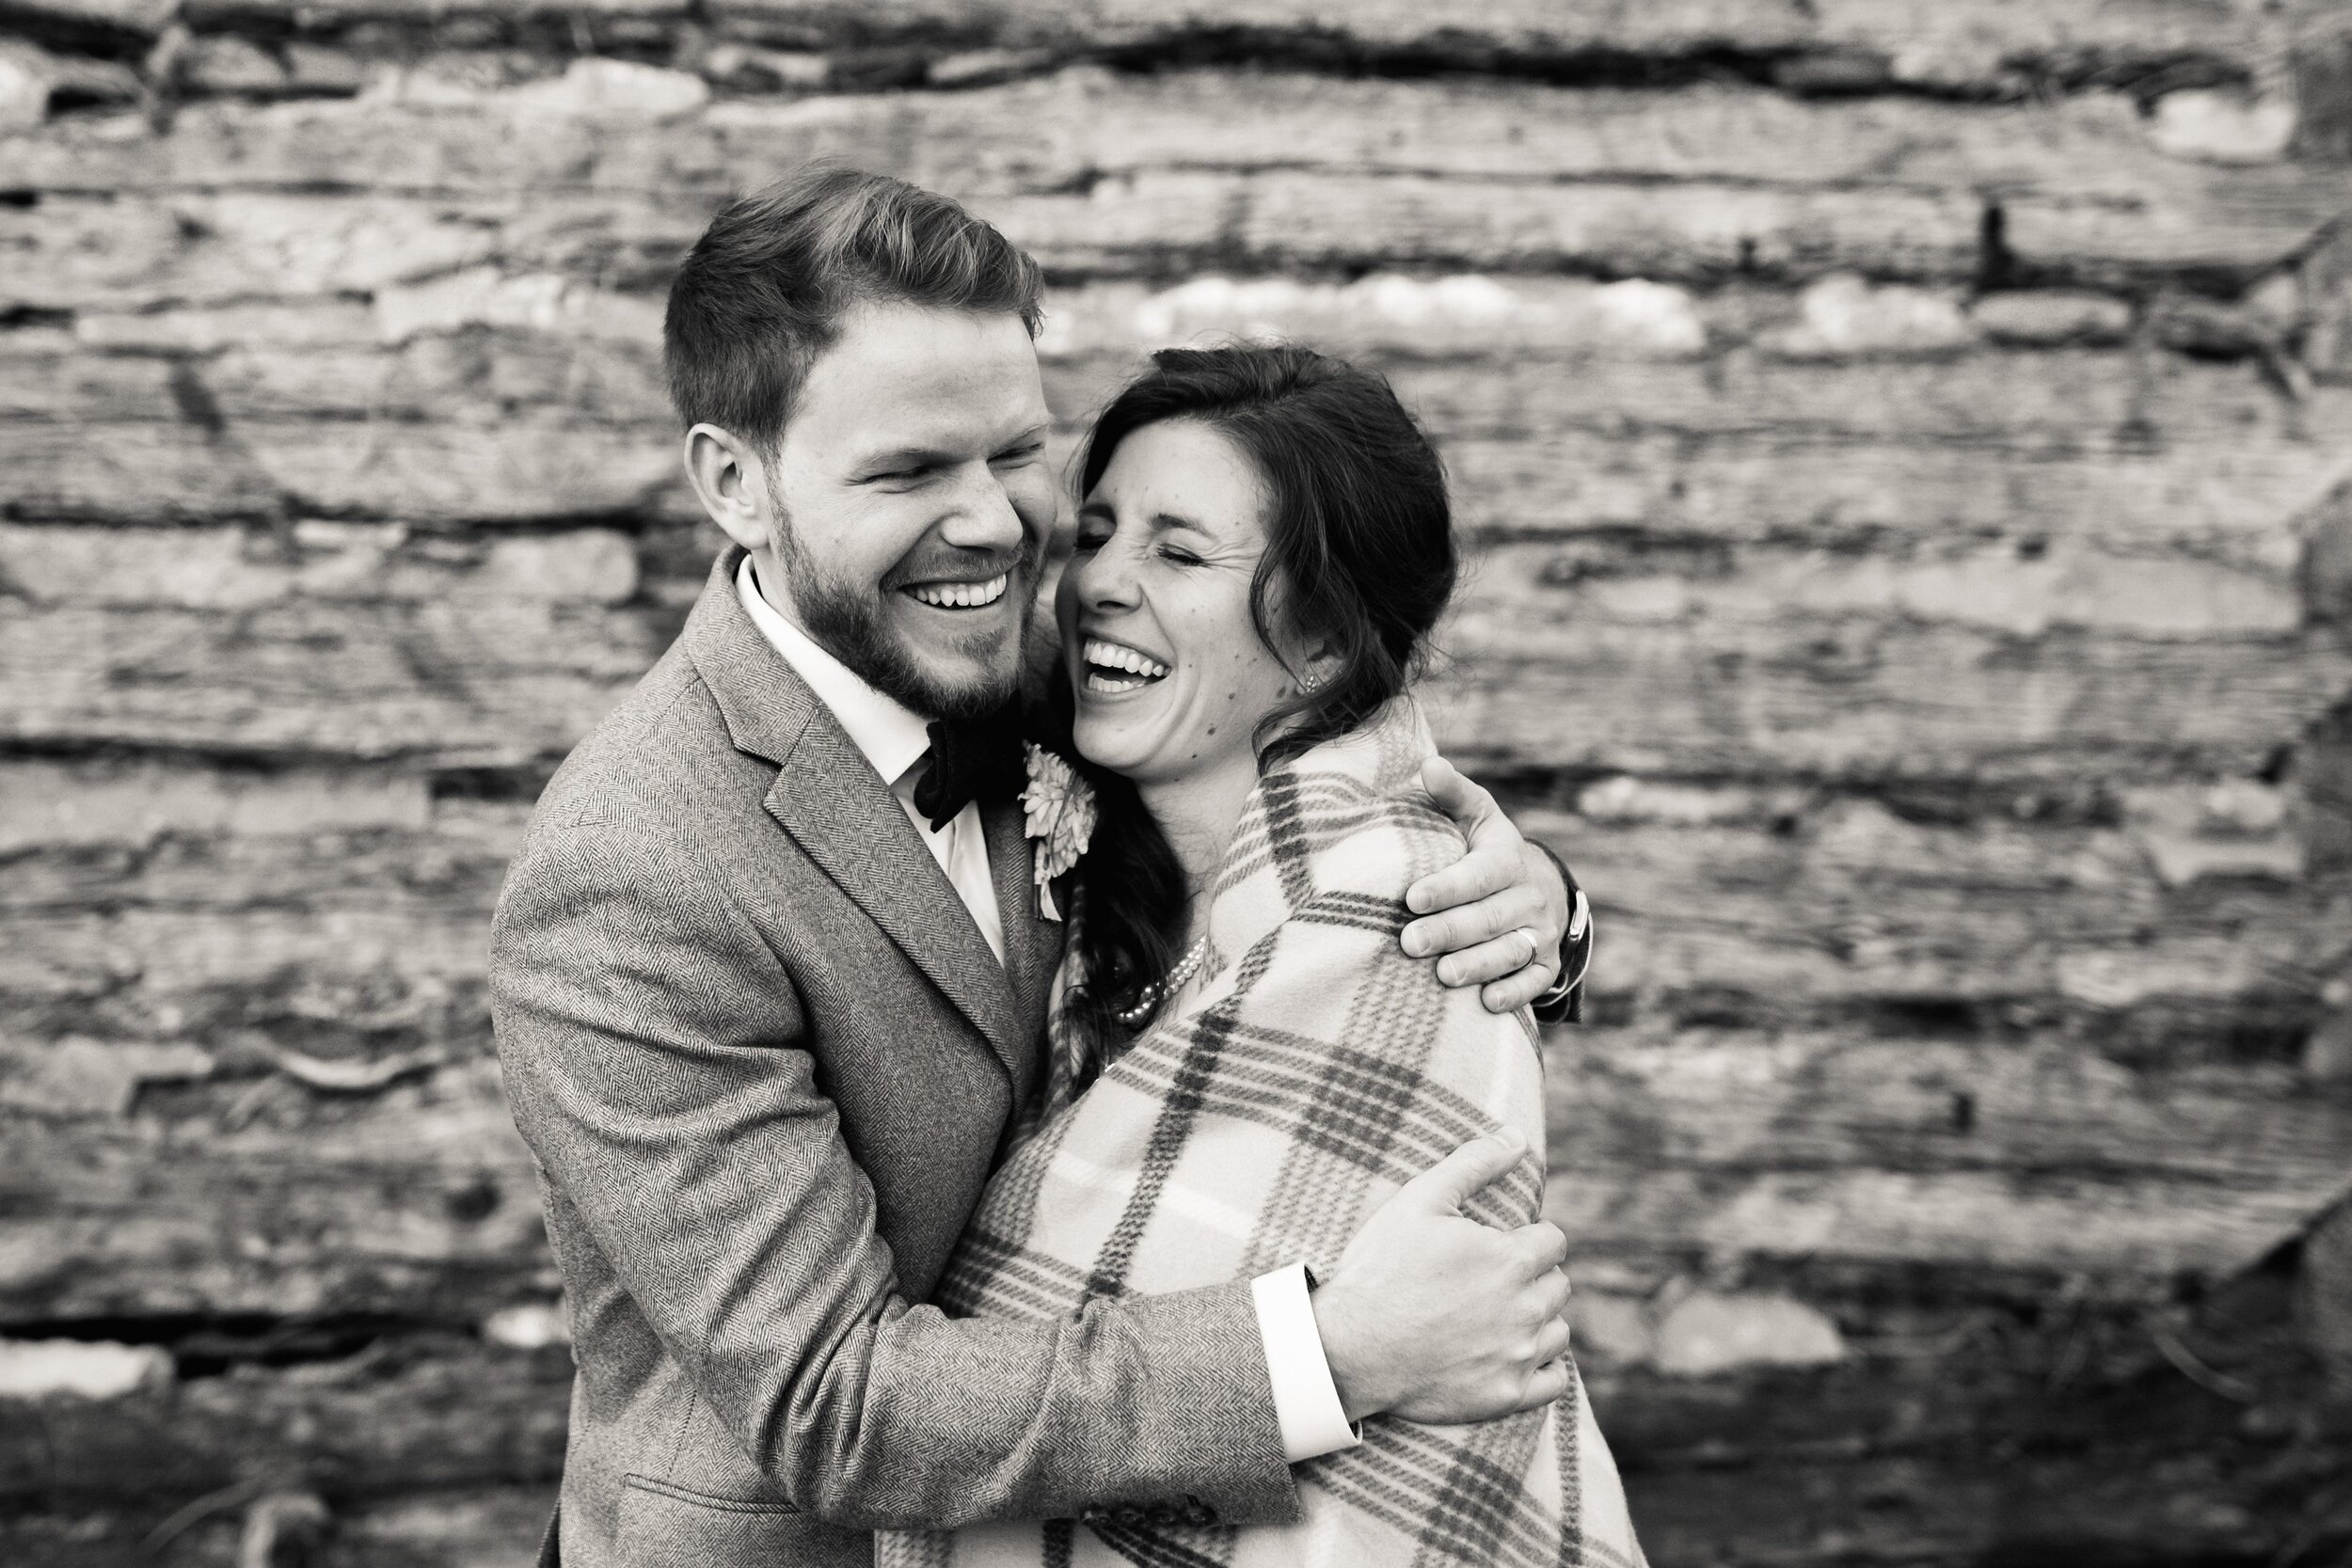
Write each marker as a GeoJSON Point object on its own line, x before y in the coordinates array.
{"type": "Point", "coordinates": [1105, 745]}
{"type": "Point", "coordinates": [1122, 735]}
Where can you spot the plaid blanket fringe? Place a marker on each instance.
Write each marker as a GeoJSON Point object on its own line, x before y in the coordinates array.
{"type": "Point", "coordinates": [1313, 1070]}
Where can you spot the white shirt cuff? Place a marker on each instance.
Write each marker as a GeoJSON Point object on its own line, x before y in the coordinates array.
{"type": "Point", "coordinates": [1306, 1400]}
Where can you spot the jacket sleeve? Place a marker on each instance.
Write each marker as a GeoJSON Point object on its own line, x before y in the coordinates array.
{"type": "Point", "coordinates": [671, 1099]}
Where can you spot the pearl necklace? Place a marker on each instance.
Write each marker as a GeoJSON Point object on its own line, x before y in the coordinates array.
{"type": "Point", "coordinates": [1178, 978]}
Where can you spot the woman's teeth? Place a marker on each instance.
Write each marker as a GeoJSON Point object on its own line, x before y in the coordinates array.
{"type": "Point", "coordinates": [961, 595]}
{"type": "Point", "coordinates": [1116, 667]}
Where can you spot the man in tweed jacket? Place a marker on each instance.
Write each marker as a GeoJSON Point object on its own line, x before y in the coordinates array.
{"type": "Point", "coordinates": [764, 1029]}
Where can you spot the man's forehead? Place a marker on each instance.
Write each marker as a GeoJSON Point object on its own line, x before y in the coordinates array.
{"type": "Point", "coordinates": [933, 415]}
{"type": "Point", "coordinates": [908, 375]}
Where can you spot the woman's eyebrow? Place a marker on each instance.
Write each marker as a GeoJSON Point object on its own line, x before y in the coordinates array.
{"type": "Point", "coordinates": [1158, 522]}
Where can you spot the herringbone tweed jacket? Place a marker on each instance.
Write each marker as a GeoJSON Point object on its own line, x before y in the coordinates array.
{"type": "Point", "coordinates": [766, 1061]}
{"type": "Point", "coordinates": [1312, 1072]}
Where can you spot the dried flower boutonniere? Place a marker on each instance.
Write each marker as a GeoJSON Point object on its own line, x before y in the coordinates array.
{"type": "Point", "coordinates": [1058, 808]}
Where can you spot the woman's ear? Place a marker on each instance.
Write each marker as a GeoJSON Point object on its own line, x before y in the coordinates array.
{"type": "Point", "coordinates": [731, 484]}
{"type": "Point", "coordinates": [1321, 663]}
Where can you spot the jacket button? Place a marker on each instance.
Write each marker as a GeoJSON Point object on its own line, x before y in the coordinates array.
{"type": "Point", "coordinates": [1092, 1516]}
{"type": "Point", "coordinates": [1198, 1513]}
{"type": "Point", "coordinates": [1129, 1516]}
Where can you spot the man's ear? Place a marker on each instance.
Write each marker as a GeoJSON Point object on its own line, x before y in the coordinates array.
{"type": "Point", "coordinates": [730, 482]}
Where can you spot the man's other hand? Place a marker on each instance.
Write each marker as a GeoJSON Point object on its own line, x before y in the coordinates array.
{"type": "Point", "coordinates": [1434, 1317]}
{"type": "Point", "coordinates": [1498, 914]}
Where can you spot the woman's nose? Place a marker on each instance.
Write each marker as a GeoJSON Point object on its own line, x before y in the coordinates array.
{"type": "Point", "coordinates": [1107, 578]}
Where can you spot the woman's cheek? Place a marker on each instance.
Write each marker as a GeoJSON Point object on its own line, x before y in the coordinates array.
{"type": "Point", "coordinates": [1237, 687]}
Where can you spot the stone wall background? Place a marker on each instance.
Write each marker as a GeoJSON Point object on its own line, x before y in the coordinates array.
{"type": "Point", "coordinates": [1908, 452]}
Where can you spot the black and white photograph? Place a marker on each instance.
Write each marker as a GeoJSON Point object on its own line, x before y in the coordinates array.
{"type": "Point", "coordinates": [1255, 784]}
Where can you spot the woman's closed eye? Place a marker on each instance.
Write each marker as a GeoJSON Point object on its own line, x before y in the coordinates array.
{"type": "Point", "coordinates": [1092, 539]}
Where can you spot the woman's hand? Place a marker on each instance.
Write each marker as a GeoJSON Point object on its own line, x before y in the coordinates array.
{"type": "Point", "coordinates": [1498, 914]}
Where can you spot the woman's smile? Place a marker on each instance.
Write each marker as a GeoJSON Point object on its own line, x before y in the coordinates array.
{"type": "Point", "coordinates": [1114, 668]}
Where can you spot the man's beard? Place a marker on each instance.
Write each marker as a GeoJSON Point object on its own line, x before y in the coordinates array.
{"type": "Point", "coordinates": [850, 622]}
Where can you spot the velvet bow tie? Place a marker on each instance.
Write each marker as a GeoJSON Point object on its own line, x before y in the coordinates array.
{"type": "Point", "coordinates": [971, 759]}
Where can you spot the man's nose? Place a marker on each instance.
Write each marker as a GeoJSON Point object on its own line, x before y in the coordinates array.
{"type": "Point", "coordinates": [985, 517]}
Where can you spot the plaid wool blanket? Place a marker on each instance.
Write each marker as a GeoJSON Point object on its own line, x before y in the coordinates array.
{"type": "Point", "coordinates": [1312, 1072]}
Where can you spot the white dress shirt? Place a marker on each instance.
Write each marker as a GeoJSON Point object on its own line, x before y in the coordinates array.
{"type": "Point", "coordinates": [894, 737]}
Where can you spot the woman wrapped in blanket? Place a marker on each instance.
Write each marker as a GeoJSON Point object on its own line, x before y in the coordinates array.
{"type": "Point", "coordinates": [1245, 1063]}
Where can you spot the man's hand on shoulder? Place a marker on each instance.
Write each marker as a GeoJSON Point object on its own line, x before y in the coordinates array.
{"type": "Point", "coordinates": [1497, 916]}
{"type": "Point", "coordinates": [1433, 1317]}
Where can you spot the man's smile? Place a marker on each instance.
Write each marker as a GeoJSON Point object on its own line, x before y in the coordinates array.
{"type": "Point", "coordinates": [959, 595]}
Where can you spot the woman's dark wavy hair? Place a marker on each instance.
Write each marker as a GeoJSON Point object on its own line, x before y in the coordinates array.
{"type": "Point", "coordinates": [1359, 559]}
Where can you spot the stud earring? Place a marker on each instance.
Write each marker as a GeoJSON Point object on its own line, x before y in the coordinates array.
{"type": "Point", "coordinates": [1310, 681]}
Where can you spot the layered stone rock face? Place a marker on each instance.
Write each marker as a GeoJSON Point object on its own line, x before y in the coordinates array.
{"type": "Point", "coordinates": [1906, 458]}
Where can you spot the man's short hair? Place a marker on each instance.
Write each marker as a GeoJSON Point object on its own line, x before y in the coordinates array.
{"type": "Point", "coordinates": [763, 291]}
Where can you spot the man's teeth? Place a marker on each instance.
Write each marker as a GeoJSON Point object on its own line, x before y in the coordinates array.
{"type": "Point", "coordinates": [962, 595]}
{"type": "Point", "coordinates": [1116, 656]}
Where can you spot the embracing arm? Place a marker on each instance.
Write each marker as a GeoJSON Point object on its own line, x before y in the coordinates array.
{"type": "Point", "coordinates": [659, 1076]}
{"type": "Point", "coordinates": [1508, 914]}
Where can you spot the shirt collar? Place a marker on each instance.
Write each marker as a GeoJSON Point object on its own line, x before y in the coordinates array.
{"type": "Point", "coordinates": [892, 735]}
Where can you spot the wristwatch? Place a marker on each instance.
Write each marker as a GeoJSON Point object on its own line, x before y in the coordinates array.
{"type": "Point", "coordinates": [1563, 1001]}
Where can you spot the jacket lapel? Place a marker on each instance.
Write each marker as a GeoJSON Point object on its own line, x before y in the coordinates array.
{"type": "Point", "coordinates": [829, 799]}
{"type": "Point", "coordinates": [1032, 943]}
